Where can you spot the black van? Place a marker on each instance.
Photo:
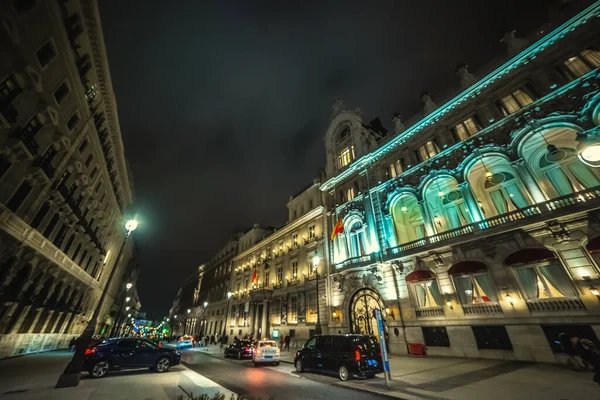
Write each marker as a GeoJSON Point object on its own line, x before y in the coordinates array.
{"type": "Point", "coordinates": [345, 355]}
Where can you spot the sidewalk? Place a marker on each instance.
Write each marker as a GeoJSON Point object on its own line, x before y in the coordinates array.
{"type": "Point", "coordinates": [33, 377]}
{"type": "Point", "coordinates": [461, 378]}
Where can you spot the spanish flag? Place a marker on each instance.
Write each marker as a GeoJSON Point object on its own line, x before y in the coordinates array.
{"type": "Point", "coordinates": [338, 228]}
{"type": "Point", "coordinates": [254, 277]}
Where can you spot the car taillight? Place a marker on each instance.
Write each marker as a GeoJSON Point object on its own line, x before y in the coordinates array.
{"type": "Point", "coordinates": [90, 350]}
{"type": "Point", "coordinates": [246, 349]}
{"type": "Point", "coordinates": [357, 355]}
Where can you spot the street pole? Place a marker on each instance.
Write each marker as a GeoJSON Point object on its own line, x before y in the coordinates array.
{"type": "Point", "coordinates": [72, 373]}
{"type": "Point", "coordinates": [316, 260]}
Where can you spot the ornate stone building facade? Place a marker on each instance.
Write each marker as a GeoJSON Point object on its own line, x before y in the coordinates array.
{"type": "Point", "coordinates": [283, 296]}
{"type": "Point", "coordinates": [63, 177]}
{"type": "Point", "coordinates": [475, 225]}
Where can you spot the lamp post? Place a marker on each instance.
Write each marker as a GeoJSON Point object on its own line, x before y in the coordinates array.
{"type": "Point", "coordinates": [229, 294]}
{"type": "Point", "coordinates": [72, 373]}
{"type": "Point", "coordinates": [316, 260]}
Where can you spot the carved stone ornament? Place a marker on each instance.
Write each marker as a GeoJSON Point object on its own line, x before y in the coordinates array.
{"type": "Point", "coordinates": [560, 232]}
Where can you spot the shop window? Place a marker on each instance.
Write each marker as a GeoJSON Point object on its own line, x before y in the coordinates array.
{"type": "Point", "coordinates": [436, 336]}
{"type": "Point", "coordinates": [492, 337]}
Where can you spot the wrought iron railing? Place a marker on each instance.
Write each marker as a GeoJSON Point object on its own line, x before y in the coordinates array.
{"type": "Point", "coordinates": [540, 209]}
{"type": "Point", "coordinates": [482, 308]}
{"type": "Point", "coordinates": [555, 304]}
{"type": "Point", "coordinates": [356, 261]}
{"type": "Point", "coordinates": [430, 312]}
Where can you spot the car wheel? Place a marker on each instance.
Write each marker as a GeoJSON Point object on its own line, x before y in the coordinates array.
{"type": "Point", "coordinates": [299, 366]}
{"type": "Point", "coordinates": [370, 376]}
{"type": "Point", "coordinates": [99, 369]}
{"type": "Point", "coordinates": [239, 355]}
{"type": "Point", "coordinates": [162, 365]}
{"type": "Point", "coordinates": [277, 363]}
{"type": "Point", "coordinates": [343, 373]}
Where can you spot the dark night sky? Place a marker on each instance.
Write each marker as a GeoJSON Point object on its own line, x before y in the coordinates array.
{"type": "Point", "coordinates": [223, 105]}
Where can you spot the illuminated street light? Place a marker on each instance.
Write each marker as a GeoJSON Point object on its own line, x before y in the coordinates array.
{"type": "Point", "coordinates": [588, 150]}
{"type": "Point", "coordinates": [189, 311]}
{"type": "Point", "coordinates": [316, 260]}
{"type": "Point", "coordinates": [127, 299]}
{"type": "Point", "coordinates": [131, 225]}
{"type": "Point", "coordinates": [127, 308]}
{"type": "Point", "coordinates": [129, 285]}
{"type": "Point", "coordinates": [206, 304]}
{"type": "Point", "coordinates": [128, 315]}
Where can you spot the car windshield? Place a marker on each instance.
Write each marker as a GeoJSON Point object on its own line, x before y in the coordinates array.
{"type": "Point", "coordinates": [267, 344]}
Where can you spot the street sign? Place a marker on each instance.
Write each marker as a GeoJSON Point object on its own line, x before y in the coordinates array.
{"type": "Point", "coordinates": [382, 343]}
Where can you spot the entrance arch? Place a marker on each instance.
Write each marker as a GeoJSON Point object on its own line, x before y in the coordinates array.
{"type": "Point", "coordinates": [362, 305]}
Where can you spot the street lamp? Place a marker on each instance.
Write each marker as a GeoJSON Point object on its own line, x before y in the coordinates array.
{"type": "Point", "coordinates": [129, 285]}
{"type": "Point", "coordinates": [127, 299]}
{"type": "Point", "coordinates": [72, 373]}
{"type": "Point", "coordinates": [128, 315]}
{"type": "Point", "coordinates": [316, 260]}
{"type": "Point", "coordinates": [127, 308]}
{"type": "Point", "coordinates": [206, 304]}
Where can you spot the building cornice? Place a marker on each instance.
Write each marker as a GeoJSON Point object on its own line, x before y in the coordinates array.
{"type": "Point", "coordinates": [282, 232]}
{"type": "Point", "coordinates": [472, 92]}
{"type": "Point", "coordinates": [96, 37]}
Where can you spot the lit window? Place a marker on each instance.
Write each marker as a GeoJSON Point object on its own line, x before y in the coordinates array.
{"type": "Point", "coordinates": [427, 294]}
{"type": "Point", "coordinates": [295, 269]}
{"type": "Point", "coordinates": [295, 239]}
{"type": "Point", "coordinates": [465, 129]}
{"type": "Point", "coordinates": [293, 309]}
{"type": "Point", "coordinates": [544, 281]}
{"type": "Point", "coordinates": [395, 168]}
{"type": "Point", "coordinates": [577, 67]}
{"type": "Point", "coordinates": [514, 101]}
{"type": "Point", "coordinates": [592, 57]}
{"type": "Point", "coordinates": [311, 232]}
{"type": "Point", "coordinates": [428, 150]}
{"type": "Point", "coordinates": [350, 194]}
{"type": "Point", "coordinates": [279, 275]}
{"type": "Point", "coordinates": [472, 289]}
{"type": "Point", "coordinates": [346, 156]}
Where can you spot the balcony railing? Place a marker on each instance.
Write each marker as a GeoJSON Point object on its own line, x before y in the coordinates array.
{"type": "Point", "coordinates": [537, 211]}
{"type": "Point", "coordinates": [356, 261]}
{"type": "Point", "coordinates": [555, 304]}
{"type": "Point", "coordinates": [483, 308]}
{"type": "Point", "coordinates": [430, 312]}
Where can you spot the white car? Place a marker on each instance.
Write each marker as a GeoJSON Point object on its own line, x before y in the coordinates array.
{"type": "Point", "coordinates": [266, 352]}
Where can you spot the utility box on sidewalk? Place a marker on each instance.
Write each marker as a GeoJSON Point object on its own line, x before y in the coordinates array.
{"type": "Point", "coordinates": [417, 349]}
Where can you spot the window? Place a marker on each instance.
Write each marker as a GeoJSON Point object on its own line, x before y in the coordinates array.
{"type": "Point", "coordinates": [127, 344]}
{"type": "Point", "coordinates": [73, 121]}
{"type": "Point", "coordinates": [9, 90]}
{"type": "Point", "coordinates": [350, 195]}
{"type": "Point", "coordinates": [33, 126]}
{"type": "Point", "coordinates": [293, 318]}
{"type": "Point", "coordinates": [279, 275]}
{"type": "Point", "coordinates": [94, 173]}
{"type": "Point", "coordinates": [39, 216]}
{"type": "Point", "coordinates": [89, 160]}
{"type": "Point", "coordinates": [514, 101]}
{"type": "Point", "coordinates": [346, 156]}
{"type": "Point", "coordinates": [427, 294]}
{"type": "Point", "coordinates": [544, 280]}
{"type": "Point", "coordinates": [311, 232]}
{"type": "Point", "coordinates": [294, 269]}
{"type": "Point", "coordinates": [267, 278]}
{"type": "Point", "coordinates": [77, 250]}
{"type": "Point", "coordinates": [61, 92]}
{"type": "Point", "coordinates": [51, 225]}
{"type": "Point", "coordinates": [355, 240]}
{"type": "Point", "coordinates": [428, 150]}
{"type": "Point", "coordinates": [295, 239]}
{"type": "Point", "coordinates": [396, 168]}
{"type": "Point", "coordinates": [492, 337]}
{"type": "Point", "coordinates": [46, 54]}
{"type": "Point", "coordinates": [83, 146]}
{"type": "Point", "coordinates": [310, 344]}
{"type": "Point", "coordinates": [19, 196]}
{"type": "Point", "coordinates": [436, 336]}
{"type": "Point", "coordinates": [465, 129]}
{"type": "Point", "coordinates": [576, 67]}
{"type": "Point", "coordinates": [98, 186]}
{"type": "Point", "coordinates": [69, 243]}
{"type": "Point", "coordinates": [4, 165]}
{"type": "Point", "coordinates": [592, 57]}
{"type": "Point", "coordinates": [474, 289]}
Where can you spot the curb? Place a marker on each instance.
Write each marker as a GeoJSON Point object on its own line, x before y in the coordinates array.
{"type": "Point", "coordinates": [363, 390]}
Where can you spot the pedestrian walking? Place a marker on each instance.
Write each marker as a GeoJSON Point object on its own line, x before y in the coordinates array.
{"type": "Point", "coordinates": [589, 353]}
{"type": "Point", "coordinates": [212, 339]}
{"type": "Point", "coordinates": [281, 341]}
{"type": "Point", "coordinates": [287, 342]}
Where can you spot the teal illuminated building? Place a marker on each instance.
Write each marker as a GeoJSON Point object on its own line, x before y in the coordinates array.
{"type": "Point", "coordinates": [475, 226]}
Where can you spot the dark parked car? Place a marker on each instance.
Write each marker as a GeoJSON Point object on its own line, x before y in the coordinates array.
{"type": "Point", "coordinates": [240, 349]}
{"type": "Point", "coordinates": [126, 353]}
{"type": "Point", "coordinates": [345, 355]}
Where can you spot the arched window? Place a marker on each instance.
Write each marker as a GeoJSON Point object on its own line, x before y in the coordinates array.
{"type": "Point", "coordinates": [472, 282]}
{"type": "Point", "coordinates": [505, 192]}
{"type": "Point", "coordinates": [425, 289]}
{"type": "Point", "coordinates": [446, 204]}
{"type": "Point", "coordinates": [551, 156]}
{"type": "Point", "coordinates": [540, 274]}
{"type": "Point", "coordinates": [355, 239]}
{"type": "Point", "coordinates": [408, 218]}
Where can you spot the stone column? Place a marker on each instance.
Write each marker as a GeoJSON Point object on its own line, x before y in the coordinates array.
{"type": "Point", "coordinates": [472, 203]}
{"type": "Point", "coordinates": [264, 324]}
{"type": "Point", "coordinates": [528, 180]}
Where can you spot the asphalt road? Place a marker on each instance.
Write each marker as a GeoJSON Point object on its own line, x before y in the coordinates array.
{"type": "Point", "coordinates": [280, 382]}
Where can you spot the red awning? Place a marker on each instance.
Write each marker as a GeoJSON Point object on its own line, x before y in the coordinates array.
{"type": "Point", "coordinates": [529, 256]}
{"type": "Point", "coordinates": [420, 275]}
{"type": "Point", "coordinates": [467, 267]}
{"type": "Point", "coordinates": [593, 245]}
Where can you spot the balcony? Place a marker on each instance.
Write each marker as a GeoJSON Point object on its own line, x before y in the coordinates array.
{"type": "Point", "coordinates": [356, 261]}
{"type": "Point", "coordinates": [432, 312]}
{"type": "Point", "coordinates": [482, 309]}
{"type": "Point", "coordinates": [555, 304]}
{"type": "Point", "coordinates": [576, 202]}
{"type": "Point", "coordinates": [310, 240]}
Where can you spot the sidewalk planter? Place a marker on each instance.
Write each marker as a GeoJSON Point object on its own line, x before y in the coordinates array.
{"type": "Point", "coordinates": [417, 349]}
